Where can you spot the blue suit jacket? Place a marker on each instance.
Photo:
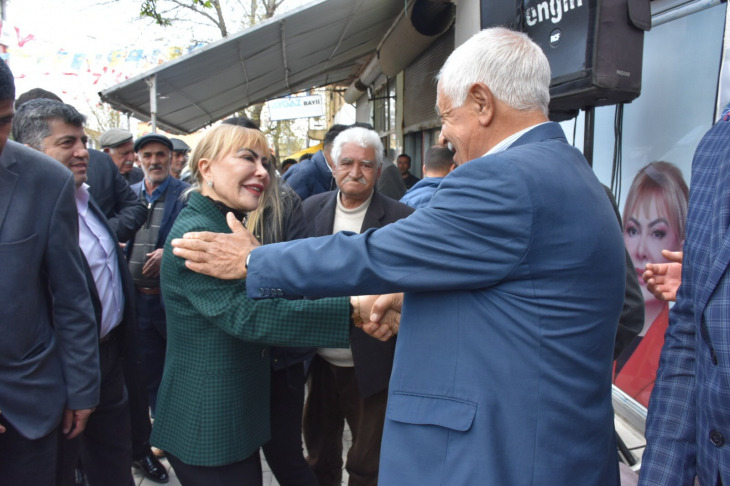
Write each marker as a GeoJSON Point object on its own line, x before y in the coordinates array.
{"type": "Point", "coordinates": [49, 345]}
{"type": "Point", "coordinates": [421, 193]}
{"type": "Point", "coordinates": [514, 280]}
{"type": "Point", "coordinates": [173, 205]}
{"type": "Point", "coordinates": [690, 404]}
{"type": "Point", "coordinates": [309, 177]}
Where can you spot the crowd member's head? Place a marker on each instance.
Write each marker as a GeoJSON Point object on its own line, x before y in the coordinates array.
{"type": "Point", "coordinates": [241, 121]}
{"type": "Point", "coordinates": [358, 154]}
{"type": "Point", "coordinates": [7, 96]}
{"type": "Point", "coordinates": [329, 140]}
{"type": "Point", "coordinates": [229, 166]}
{"type": "Point", "coordinates": [57, 130]}
{"type": "Point", "coordinates": [654, 217]}
{"type": "Point", "coordinates": [180, 152]}
{"type": "Point", "coordinates": [119, 144]}
{"type": "Point", "coordinates": [438, 162]}
{"type": "Point", "coordinates": [36, 94]}
{"type": "Point", "coordinates": [305, 157]}
{"type": "Point", "coordinates": [286, 163]}
{"type": "Point", "coordinates": [492, 86]}
{"type": "Point", "coordinates": [154, 152]}
{"type": "Point", "coordinates": [404, 163]}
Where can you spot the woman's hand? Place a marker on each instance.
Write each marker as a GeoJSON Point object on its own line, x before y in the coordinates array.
{"type": "Point", "coordinates": [383, 312]}
{"type": "Point", "coordinates": [663, 279]}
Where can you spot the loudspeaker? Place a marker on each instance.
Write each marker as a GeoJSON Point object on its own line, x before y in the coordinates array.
{"type": "Point", "coordinates": [595, 49]}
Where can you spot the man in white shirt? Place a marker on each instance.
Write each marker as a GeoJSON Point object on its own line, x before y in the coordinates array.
{"type": "Point", "coordinates": [350, 384]}
{"type": "Point", "coordinates": [56, 129]}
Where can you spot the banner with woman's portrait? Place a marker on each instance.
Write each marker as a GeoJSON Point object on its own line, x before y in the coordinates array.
{"type": "Point", "coordinates": [654, 217]}
{"type": "Point", "coordinates": [681, 88]}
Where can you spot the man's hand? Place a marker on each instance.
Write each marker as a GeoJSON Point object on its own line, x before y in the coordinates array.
{"type": "Point", "coordinates": [663, 279]}
{"type": "Point", "coordinates": [384, 315]}
{"type": "Point", "coordinates": [152, 267]}
{"type": "Point", "coordinates": [216, 254]}
{"type": "Point", "coordinates": [77, 419]}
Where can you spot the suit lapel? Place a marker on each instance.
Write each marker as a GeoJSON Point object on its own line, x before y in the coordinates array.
{"type": "Point", "coordinates": [718, 253]}
{"type": "Point", "coordinates": [324, 222]}
{"type": "Point", "coordinates": [718, 263]}
{"type": "Point", "coordinates": [7, 186]}
{"type": "Point", "coordinates": [374, 214]}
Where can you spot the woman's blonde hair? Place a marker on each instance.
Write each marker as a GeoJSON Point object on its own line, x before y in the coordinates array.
{"type": "Point", "coordinates": [225, 139]}
{"type": "Point", "coordinates": [664, 182]}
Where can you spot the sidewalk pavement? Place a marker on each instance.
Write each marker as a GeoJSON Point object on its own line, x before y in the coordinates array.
{"type": "Point", "coordinates": [269, 479]}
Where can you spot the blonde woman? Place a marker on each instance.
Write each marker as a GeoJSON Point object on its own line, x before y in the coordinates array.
{"type": "Point", "coordinates": [213, 406]}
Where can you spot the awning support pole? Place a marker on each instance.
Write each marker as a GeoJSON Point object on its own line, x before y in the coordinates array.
{"type": "Point", "coordinates": [152, 83]}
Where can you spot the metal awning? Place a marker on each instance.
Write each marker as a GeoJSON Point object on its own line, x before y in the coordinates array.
{"type": "Point", "coordinates": [322, 43]}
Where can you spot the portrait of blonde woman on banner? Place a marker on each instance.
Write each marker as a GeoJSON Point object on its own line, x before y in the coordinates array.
{"type": "Point", "coordinates": [654, 220]}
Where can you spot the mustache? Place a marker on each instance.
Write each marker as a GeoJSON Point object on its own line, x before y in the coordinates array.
{"type": "Point", "coordinates": [155, 166]}
{"type": "Point", "coordinates": [361, 180]}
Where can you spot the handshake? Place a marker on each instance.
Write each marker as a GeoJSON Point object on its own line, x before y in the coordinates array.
{"type": "Point", "coordinates": [377, 315]}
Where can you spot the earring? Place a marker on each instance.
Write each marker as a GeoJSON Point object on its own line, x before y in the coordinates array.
{"type": "Point", "coordinates": [210, 183]}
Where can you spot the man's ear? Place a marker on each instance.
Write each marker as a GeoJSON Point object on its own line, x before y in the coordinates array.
{"type": "Point", "coordinates": [482, 99]}
{"type": "Point", "coordinates": [106, 150]}
{"type": "Point", "coordinates": [453, 166]}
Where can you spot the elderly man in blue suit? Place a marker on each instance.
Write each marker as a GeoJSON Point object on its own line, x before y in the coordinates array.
{"type": "Point", "coordinates": [689, 419]}
{"type": "Point", "coordinates": [514, 282]}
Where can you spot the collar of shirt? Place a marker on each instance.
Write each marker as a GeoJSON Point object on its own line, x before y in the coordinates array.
{"type": "Point", "coordinates": [507, 142]}
{"type": "Point", "coordinates": [156, 192]}
{"type": "Point", "coordinates": [82, 199]}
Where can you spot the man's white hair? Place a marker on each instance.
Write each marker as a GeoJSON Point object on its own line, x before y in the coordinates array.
{"type": "Point", "coordinates": [513, 67]}
{"type": "Point", "coordinates": [362, 137]}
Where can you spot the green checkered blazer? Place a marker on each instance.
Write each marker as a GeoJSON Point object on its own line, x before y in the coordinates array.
{"type": "Point", "coordinates": [213, 403]}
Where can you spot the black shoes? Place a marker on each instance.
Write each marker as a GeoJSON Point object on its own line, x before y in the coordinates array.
{"type": "Point", "coordinates": [152, 468]}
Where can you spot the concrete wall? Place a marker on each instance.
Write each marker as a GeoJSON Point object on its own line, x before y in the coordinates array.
{"type": "Point", "coordinates": [468, 15]}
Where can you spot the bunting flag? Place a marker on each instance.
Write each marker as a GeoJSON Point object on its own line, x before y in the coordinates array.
{"type": "Point", "coordinates": [29, 56]}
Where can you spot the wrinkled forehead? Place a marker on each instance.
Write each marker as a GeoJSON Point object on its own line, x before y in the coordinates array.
{"type": "Point", "coordinates": [354, 152]}
{"type": "Point", "coordinates": [59, 128]}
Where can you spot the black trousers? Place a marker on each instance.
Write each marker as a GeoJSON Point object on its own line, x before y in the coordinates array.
{"type": "Point", "coordinates": [25, 461]}
{"type": "Point", "coordinates": [139, 404]}
{"type": "Point", "coordinates": [242, 473]}
{"type": "Point", "coordinates": [105, 446]}
{"type": "Point", "coordinates": [284, 452]}
{"type": "Point", "coordinates": [333, 398]}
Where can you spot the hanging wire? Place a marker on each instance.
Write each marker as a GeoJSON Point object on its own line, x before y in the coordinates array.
{"type": "Point", "coordinates": [575, 127]}
{"type": "Point", "coordinates": [616, 170]}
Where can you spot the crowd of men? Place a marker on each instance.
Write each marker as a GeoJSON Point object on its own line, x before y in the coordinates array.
{"type": "Point", "coordinates": [508, 252]}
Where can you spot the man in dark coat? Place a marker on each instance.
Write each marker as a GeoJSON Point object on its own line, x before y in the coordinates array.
{"type": "Point", "coordinates": [350, 384]}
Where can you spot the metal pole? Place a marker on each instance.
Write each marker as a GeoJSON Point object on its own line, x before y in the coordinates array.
{"type": "Point", "coordinates": [152, 83]}
{"type": "Point", "coordinates": [590, 115]}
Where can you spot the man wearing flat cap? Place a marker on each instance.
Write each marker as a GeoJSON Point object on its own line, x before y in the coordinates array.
{"type": "Point", "coordinates": [161, 194]}
{"type": "Point", "coordinates": [180, 152]}
{"type": "Point", "coordinates": [119, 144]}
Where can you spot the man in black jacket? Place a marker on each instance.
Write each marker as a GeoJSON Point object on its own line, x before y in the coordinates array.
{"type": "Point", "coordinates": [350, 384]}
{"type": "Point", "coordinates": [119, 144]}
